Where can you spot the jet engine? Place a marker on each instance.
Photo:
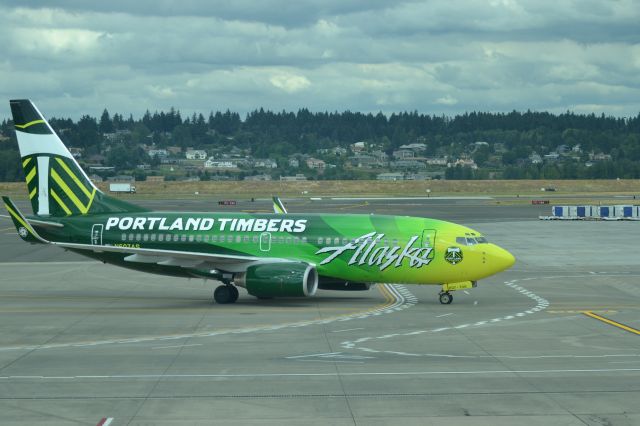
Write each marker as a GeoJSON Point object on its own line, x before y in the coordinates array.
{"type": "Point", "coordinates": [286, 279]}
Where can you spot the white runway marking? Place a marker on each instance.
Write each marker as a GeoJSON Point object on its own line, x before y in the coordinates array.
{"type": "Point", "coordinates": [177, 346]}
{"type": "Point", "coordinates": [403, 300]}
{"type": "Point", "coordinates": [348, 329]}
{"type": "Point", "coordinates": [78, 262]}
{"type": "Point", "coordinates": [541, 305]}
{"type": "Point", "coordinates": [444, 315]}
{"type": "Point", "coordinates": [584, 371]}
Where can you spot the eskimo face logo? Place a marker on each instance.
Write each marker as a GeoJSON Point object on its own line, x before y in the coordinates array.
{"type": "Point", "coordinates": [453, 255]}
{"type": "Point", "coordinates": [22, 231]}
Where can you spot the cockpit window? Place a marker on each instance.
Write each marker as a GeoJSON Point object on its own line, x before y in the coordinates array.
{"type": "Point", "coordinates": [471, 241]}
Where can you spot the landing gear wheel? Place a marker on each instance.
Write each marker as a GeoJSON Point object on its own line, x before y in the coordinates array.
{"type": "Point", "coordinates": [446, 298]}
{"type": "Point", "coordinates": [235, 293]}
{"type": "Point", "coordinates": [225, 294]}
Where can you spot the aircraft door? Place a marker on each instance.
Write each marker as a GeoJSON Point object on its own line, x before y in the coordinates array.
{"type": "Point", "coordinates": [96, 234]}
{"type": "Point", "coordinates": [429, 238]}
{"type": "Point", "coordinates": [265, 241]}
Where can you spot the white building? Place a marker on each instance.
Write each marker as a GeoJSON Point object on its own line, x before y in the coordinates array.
{"type": "Point", "coordinates": [218, 164]}
{"type": "Point", "coordinates": [160, 153]}
{"type": "Point", "coordinates": [196, 154]}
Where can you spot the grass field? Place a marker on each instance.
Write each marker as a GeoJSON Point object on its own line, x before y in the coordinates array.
{"type": "Point", "coordinates": [499, 188]}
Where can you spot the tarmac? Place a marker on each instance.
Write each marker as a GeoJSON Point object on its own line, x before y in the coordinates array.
{"type": "Point", "coordinates": [554, 340]}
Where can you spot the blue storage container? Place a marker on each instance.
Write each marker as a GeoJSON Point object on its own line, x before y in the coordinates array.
{"type": "Point", "coordinates": [582, 211]}
{"type": "Point", "coordinates": [557, 211]}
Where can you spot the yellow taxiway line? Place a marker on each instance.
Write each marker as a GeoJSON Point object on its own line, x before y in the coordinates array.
{"type": "Point", "coordinates": [612, 322]}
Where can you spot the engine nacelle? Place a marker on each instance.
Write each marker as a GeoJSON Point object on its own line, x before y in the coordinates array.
{"type": "Point", "coordinates": [279, 280]}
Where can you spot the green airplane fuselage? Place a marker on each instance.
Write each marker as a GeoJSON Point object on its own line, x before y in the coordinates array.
{"type": "Point", "coordinates": [356, 248]}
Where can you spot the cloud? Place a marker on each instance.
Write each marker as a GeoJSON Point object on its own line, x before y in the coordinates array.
{"type": "Point", "coordinates": [76, 57]}
{"type": "Point", "coordinates": [290, 83]}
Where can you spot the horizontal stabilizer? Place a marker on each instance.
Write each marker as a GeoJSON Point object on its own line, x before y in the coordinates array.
{"type": "Point", "coordinates": [24, 228]}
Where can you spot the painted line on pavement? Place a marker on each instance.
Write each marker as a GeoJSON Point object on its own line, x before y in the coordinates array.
{"type": "Point", "coordinates": [612, 322]}
{"type": "Point", "coordinates": [397, 298]}
{"type": "Point", "coordinates": [541, 304]}
{"type": "Point", "coordinates": [329, 374]}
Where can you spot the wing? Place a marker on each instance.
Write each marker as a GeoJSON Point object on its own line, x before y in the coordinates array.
{"type": "Point", "coordinates": [184, 259]}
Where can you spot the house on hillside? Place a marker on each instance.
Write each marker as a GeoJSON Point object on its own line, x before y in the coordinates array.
{"type": "Point", "coordinates": [314, 163]}
{"type": "Point", "coordinates": [265, 163]}
{"type": "Point", "coordinates": [196, 154]}
{"type": "Point", "coordinates": [535, 158]}
{"type": "Point", "coordinates": [158, 153]}
{"type": "Point", "coordinates": [211, 163]}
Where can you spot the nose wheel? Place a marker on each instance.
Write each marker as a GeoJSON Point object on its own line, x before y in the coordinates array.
{"type": "Point", "coordinates": [446, 298]}
{"type": "Point", "coordinates": [225, 294]}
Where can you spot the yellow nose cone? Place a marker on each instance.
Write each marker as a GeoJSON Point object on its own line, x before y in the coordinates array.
{"type": "Point", "coordinates": [500, 259]}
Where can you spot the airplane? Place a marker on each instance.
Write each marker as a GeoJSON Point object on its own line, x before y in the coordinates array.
{"type": "Point", "coordinates": [269, 255]}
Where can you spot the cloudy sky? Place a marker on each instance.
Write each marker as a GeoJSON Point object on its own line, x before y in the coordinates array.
{"type": "Point", "coordinates": [78, 57]}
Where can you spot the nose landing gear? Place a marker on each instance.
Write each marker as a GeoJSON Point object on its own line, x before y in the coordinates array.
{"type": "Point", "coordinates": [446, 298]}
{"type": "Point", "coordinates": [445, 294]}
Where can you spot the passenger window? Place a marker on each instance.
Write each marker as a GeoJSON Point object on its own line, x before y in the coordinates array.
{"type": "Point", "coordinates": [214, 238]}
{"type": "Point", "coordinates": [304, 240]}
{"type": "Point", "coordinates": [124, 237]}
{"type": "Point", "coordinates": [344, 241]}
{"type": "Point", "coordinates": [288, 240]}
{"type": "Point", "coordinates": [238, 239]}
{"type": "Point", "coordinates": [145, 237]}
{"type": "Point", "coordinates": [152, 237]}
{"type": "Point", "coordinates": [206, 238]}
{"type": "Point", "coordinates": [176, 237]}
{"type": "Point", "coordinates": [336, 241]}
{"type": "Point", "coordinates": [138, 237]}
{"type": "Point", "coordinates": [255, 239]}
{"type": "Point", "coordinates": [395, 242]}
{"type": "Point", "coordinates": [296, 240]}
{"type": "Point", "coordinates": [198, 238]}
{"type": "Point", "coordinates": [320, 241]}
{"type": "Point", "coordinates": [229, 238]}
{"type": "Point", "coordinates": [183, 238]}
{"type": "Point", "coordinates": [191, 238]}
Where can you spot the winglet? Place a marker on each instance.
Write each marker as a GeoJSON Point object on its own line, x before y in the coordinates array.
{"type": "Point", "coordinates": [278, 206]}
{"type": "Point", "coordinates": [24, 228]}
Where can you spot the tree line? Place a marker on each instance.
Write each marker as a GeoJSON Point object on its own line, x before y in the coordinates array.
{"type": "Point", "coordinates": [278, 134]}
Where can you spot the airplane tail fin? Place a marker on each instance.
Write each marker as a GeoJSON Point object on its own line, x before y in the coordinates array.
{"type": "Point", "coordinates": [278, 206]}
{"type": "Point", "coordinates": [56, 184]}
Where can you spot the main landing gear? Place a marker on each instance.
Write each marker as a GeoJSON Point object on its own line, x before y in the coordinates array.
{"type": "Point", "coordinates": [225, 294]}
